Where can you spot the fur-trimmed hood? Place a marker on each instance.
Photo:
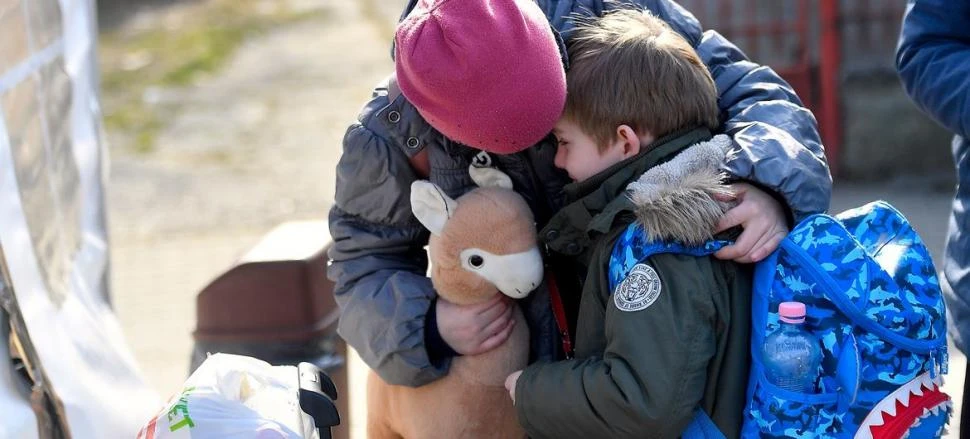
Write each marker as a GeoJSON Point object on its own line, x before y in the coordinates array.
{"type": "Point", "coordinates": [678, 200]}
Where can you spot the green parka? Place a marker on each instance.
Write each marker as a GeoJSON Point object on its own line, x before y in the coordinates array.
{"type": "Point", "coordinates": [641, 371]}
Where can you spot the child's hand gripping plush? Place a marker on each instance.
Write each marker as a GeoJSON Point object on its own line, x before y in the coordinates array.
{"type": "Point", "coordinates": [483, 244]}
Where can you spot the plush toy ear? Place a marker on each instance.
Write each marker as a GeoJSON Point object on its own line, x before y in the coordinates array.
{"type": "Point", "coordinates": [489, 177]}
{"type": "Point", "coordinates": [431, 206]}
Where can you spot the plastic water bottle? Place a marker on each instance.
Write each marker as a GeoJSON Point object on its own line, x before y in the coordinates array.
{"type": "Point", "coordinates": [792, 356]}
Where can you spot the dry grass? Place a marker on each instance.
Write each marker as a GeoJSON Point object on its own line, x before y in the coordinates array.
{"type": "Point", "coordinates": [175, 47]}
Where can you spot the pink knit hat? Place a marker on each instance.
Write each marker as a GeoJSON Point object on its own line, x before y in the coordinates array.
{"type": "Point", "coordinates": [486, 73]}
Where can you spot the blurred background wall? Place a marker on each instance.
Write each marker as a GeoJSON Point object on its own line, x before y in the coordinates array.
{"type": "Point", "coordinates": [839, 56]}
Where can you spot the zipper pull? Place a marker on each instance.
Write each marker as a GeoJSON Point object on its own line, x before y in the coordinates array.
{"type": "Point", "coordinates": [938, 362]}
{"type": "Point", "coordinates": [482, 160]}
{"type": "Point", "coordinates": [944, 360]}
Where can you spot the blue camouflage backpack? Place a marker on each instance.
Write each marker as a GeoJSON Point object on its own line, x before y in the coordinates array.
{"type": "Point", "coordinates": [873, 301]}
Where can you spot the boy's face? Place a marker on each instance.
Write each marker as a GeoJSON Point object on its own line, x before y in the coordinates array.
{"type": "Point", "coordinates": [578, 153]}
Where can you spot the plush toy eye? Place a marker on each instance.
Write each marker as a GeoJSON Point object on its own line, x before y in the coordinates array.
{"type": "Point", "coordinates": [476, 261]}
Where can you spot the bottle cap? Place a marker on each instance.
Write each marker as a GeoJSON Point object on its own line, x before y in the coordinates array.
{"type": "Point", "coordinates": [792, 312]}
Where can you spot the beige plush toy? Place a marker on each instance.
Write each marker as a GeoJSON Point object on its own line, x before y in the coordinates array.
{"type": "Point", "coordinates": [481, 245]}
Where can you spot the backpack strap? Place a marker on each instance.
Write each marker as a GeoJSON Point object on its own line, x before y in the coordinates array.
{"type": "Point", "coordinates": [702, 427]}
{"type": "Point", "coordinates": [632, 247]}
{"type": "Point", "coordinates": [419, 162]}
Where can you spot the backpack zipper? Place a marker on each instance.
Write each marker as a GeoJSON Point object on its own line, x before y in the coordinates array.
{"type": "Point", "coordinates": [858, 317]}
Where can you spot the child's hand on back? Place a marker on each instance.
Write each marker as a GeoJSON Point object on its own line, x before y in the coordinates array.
{"type": "Point", "coordinates": [763, 220]}
{"type": "Point", "coordinates": [474, 329]}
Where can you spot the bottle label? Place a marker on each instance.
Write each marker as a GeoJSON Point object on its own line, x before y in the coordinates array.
{"type": "Point", "coordinates": [793, 347]}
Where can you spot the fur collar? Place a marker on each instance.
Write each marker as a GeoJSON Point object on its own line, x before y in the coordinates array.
{"type": "Point", "coordinates": [675, 201]}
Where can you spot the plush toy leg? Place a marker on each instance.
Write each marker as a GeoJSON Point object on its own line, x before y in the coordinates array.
{"type": "Point", "coordinates": [378, 429]}
{"type": "Point", "coordinates": [379, 414]}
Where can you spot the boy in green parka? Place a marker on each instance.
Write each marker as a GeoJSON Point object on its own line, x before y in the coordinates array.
{"type": "Point", "coordinates": [671, 340]}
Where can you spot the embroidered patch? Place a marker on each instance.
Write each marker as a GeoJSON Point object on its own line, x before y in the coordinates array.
{"type": "Point", "coordinates": [639, 290]}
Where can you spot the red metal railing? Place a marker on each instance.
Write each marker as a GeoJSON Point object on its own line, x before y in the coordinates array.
{"type": "Point", "coordinates": [812, 44]}
{"type": "Point", "coordinates": [777, 33]}
{"type": "Point", "coordinates": [829, 109]}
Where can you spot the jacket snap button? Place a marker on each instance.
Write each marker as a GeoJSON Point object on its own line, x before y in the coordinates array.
{"type": "Point", "coordinates": [552, 235]}
{"type": "Point", "coordinates": [394, 116]}
{"type": "Point", "coordinates": [572, 247]}
{"type": "Point", "coordinates": [413, 142]}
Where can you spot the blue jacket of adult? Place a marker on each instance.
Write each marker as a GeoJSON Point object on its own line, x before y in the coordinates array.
{"type": "Point", "coordinates": [378, 261]}
{"type": "Point", "coordinates": [933, 60]}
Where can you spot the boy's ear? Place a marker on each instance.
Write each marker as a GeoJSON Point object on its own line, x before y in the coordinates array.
{"type": "Point", "coordinates": [628, 140]}
{"type": "Point", "coordinates": [431, 206]}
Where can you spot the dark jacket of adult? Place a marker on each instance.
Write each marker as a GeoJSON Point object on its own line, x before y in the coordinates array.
{"type": "Point", "coordinates": [933, 59]}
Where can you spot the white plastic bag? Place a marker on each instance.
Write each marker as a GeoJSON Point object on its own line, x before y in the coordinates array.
{"type": "Point", "coordinates": [236, 397]}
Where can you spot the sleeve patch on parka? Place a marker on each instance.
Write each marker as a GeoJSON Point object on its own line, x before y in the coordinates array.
{"type": "Point", "coordinates": [639, 289]}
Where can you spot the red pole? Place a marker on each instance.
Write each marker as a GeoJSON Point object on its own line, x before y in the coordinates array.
{"type": "Point", "coordinates": [804, 61]}
{"type": "Point", "coordinates": [829, 74]}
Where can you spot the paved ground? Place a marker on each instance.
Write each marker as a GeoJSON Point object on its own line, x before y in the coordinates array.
{"type": "Point", "coordinates": [255, 146]}
{"type": "Point", "coordinates": [251, 147]}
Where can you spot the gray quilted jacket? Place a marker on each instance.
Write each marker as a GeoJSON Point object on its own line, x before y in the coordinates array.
{"type": "Point", "coordinates": [378, 260]}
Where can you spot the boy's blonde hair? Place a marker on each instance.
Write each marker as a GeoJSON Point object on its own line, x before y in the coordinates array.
{"type": "Point", "coordinates": [630, 68]}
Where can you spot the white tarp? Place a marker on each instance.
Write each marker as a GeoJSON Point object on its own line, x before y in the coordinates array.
{"type": "Point", "coordinates": [52, 225]}
{"type": "Point", "coordinates": [19, 421]}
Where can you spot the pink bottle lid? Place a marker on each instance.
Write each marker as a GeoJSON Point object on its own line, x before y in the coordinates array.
{"type": "Point", "coordinates": [792, 312]}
